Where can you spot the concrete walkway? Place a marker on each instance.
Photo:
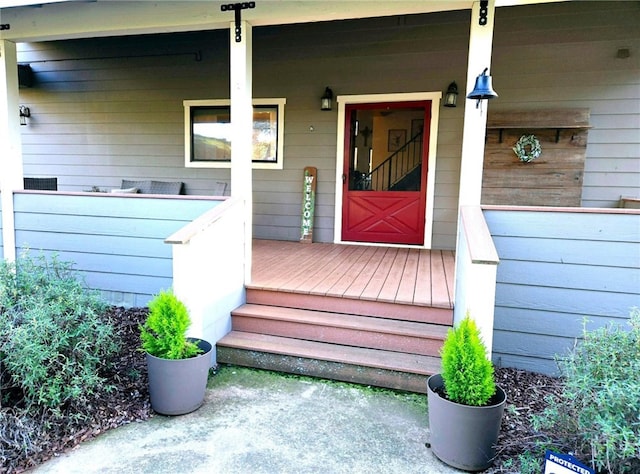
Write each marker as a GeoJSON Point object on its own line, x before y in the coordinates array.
{"type": "Point", "coordinates": [258, 422]}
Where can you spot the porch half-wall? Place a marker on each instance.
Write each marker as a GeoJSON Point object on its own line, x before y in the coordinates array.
{"type": "Point", "coordinates": [117, 243]}
{"type": "Point", "coordinates": [558, 268]}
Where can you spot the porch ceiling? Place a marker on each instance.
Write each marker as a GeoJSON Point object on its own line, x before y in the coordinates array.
{"type": "Point", "coordinates": [52, 20]}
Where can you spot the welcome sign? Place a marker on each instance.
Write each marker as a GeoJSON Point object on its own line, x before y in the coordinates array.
{"type": "Point", "coordinates": [308, 203]}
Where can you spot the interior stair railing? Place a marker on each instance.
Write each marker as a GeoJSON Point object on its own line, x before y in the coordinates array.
{"type": "Point", "coordinates": [397, 166]}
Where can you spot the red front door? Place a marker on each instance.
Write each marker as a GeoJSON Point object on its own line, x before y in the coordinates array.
{"type": "Point", "coordinates": [385, 172]}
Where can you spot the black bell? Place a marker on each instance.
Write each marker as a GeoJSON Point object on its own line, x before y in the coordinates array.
{"type": "Point", "coordinates": [482, 89]}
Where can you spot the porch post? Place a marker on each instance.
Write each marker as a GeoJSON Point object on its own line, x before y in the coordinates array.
{"type": "Point", "coordinates": [480, 305]}
{"type": "Point", "coordinates": [242, 126]}
{"type": "Point", "coordinates": [475, 119]}
{"type": "Point", "coordinates": [10, 144]}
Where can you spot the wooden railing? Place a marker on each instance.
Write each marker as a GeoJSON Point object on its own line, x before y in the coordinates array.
{"type": "Point", "coordinates": [476, 269]}
{"type": "Point", "coordinates": [208, 268]}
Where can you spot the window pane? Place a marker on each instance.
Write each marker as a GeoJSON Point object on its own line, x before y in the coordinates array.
{"type": "Point", "coordinates": [211, 133]}
{"type": "Point", "coordinates": [265, 133]}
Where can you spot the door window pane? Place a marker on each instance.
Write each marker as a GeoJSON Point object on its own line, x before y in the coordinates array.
{"type": "Point", "coordinates": [385, 148]}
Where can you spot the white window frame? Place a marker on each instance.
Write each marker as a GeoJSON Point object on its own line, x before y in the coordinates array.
{"type": "Point", "coordinates": [188, 163]}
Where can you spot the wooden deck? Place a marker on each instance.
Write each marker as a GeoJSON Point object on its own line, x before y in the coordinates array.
{"type": "Point", "coordinates": [393, 275]}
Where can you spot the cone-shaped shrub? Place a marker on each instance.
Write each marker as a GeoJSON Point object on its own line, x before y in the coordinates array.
{"type": "Point", "coordinates": [466, 371]}
{"type": "Point", "coordinates": [164, 332]}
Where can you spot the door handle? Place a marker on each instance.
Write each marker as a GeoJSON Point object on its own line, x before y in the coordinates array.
{"type": "Point", "coordinates": [344, 178]}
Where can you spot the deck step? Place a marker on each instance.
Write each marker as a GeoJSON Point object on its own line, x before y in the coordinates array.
{"type": "Point", "coordinates": [361, 307]}
{"type": "Point", "coordinates": [320, 359]}
{"type": "Point", "coordinates": [338, 328]}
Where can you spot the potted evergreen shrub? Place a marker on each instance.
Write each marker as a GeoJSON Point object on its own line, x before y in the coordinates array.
{"type": "Point", "coordinates": [465, 404]}
{"type": "Point", "coordinates": [177, 366]}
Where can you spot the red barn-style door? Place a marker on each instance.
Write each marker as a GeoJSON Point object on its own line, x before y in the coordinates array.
{"type": "Point", "coordinates": [385, 172]}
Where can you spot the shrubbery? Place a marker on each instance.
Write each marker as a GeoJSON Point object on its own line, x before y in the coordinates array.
{"type": "Point", "coordinates": [53, 346]}
{"type": "Point", "coordinates": [466, 371]}
{"type": "Point", "coordinates": [597, 415]}
{"type": "Point", "coordinates": [164, 332]}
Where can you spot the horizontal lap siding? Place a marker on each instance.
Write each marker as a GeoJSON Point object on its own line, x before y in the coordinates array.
{"type": "Point", "coordinates": [375, 56]}
{"type": "Point", "coordinates": [557, 271]}
{"type": "Point", "coordinates": [111, 108]}
{"type": "Point", "coordinates": [117, 243]}
{"type": "Point", "coordinates": [97, 120]}
{"type": "Point", "coordinates": [564, 56]}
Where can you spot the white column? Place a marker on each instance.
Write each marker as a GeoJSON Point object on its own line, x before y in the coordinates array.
{"type": "Point", "coordinates": [473, 137]}
{"type": "Point", "coordinates": [10, 143]}
{"type": "Point", "coordinates": [475, 119]}
{"type": "Point", "coordinates": [242, 130]}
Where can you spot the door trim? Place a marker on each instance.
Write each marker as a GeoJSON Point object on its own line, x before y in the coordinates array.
{"type": "Point", "coordinates": [342, 101]}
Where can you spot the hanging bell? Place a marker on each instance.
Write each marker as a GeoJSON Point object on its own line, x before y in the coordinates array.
{"type": "Point", "coordinates": [482, 89]}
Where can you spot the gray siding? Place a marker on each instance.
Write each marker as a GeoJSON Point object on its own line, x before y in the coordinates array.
{"type": "Point", "coordinates": [111, 108]}
{"type": "Point", "coordinates": [556, 270]}
{"type": "Point", "coordinates": [116, 243]}
{"type": "Point", "coordinates": [564, 55]}
{"type": "Point", "coordinates": [97, 120]}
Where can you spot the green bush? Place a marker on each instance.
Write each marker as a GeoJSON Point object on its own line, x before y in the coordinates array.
{"type": "Point", "coordinates": [466, 371]}
{"type": "Point", "coordinates": [164, 332]}
{"type": "Point", "coordinates": [597, 415]}
{"type": "Point", "coordinates": [53, 344]}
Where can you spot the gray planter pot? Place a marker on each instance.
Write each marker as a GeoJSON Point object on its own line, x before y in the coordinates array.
{"type": "Point", "coordinates": [177, 387]}
{"type": "Point", "coordinates": [463, 436]}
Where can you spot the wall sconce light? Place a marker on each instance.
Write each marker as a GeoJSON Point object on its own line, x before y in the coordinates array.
{"type": "Point", "coordinates": [451, 96]}
{"type": "Point", "coordinates": [482, 89]}
{"type": "Point", "coordinates": [25, 113]}
{"type": "Point", "coordinates": [326, 101]}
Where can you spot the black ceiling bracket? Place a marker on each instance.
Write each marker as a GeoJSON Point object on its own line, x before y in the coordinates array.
{"type": "Point", "coordinates": [484, 12]}
{"type": "Point", "coordinates": [5, 26]}
{"type": "Point", "coordinates": [237, 8]}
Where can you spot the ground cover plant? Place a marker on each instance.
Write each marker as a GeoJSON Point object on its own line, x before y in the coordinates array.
{"type": "Point", "coordinates": [592, 412]}
{"type": "Point", "coordinates": [597, 413]}
{"type": "Point", "coordinates": [60, 355]}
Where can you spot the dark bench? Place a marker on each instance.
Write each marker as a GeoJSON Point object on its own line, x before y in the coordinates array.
{"type": "Point", "coordinates": [41, 184]}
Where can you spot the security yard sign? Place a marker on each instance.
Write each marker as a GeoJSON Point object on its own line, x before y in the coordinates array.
{"type": "Point", "coordinates": [564, 464]}
{"type": "Point", "coordinates": [308, 204]}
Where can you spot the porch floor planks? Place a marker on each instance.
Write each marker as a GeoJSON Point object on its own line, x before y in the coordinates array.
{"type": "Point", "coordinates": [358, 285]}
{"type": "Point", "coordinates": [422, 290]}
{"type": "Point", "coordinates": [323, 286]}
{"type": "Point", "coordinates": [406, 289]}
{"type": "Point", "coordinates": [439, 290]}
{"type": "Point", "coordinates": [399, 275]}
{"type": "Point", "coordinates": [268, 259]}
{"type": "Point", "coordinates": [391, 284]}
{"type": "Point", "coordinates": [373, 288]}
{"type": "Point", "coordinates": [292, 264]}
{"type": "Point", "coordinates": [354, 273]}
{"type": "Point", "coordinates": [317, 269]}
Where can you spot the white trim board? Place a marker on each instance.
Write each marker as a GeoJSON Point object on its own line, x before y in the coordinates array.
{"type": "Point", "coordinates": [344, 100]}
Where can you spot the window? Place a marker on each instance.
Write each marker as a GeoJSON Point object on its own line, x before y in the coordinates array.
{"type": "Point", "coordinates": [208, 133]}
